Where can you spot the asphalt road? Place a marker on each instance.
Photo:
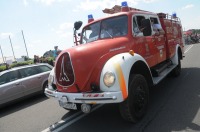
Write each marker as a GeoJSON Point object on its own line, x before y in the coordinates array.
{"type": "Point", "coordinates": [174, 106]}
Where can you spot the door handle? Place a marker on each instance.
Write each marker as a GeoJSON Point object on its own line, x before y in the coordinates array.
{"type": "Point", "coordinates": [17, 84]}
{"type": "Point", "coordinates": [39, 77]}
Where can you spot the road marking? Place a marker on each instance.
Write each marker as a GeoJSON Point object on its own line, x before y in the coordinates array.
{"type": "Point", "coordinates": [66, 122]}
{"type": "Point", "coordinates": [61, 122]}
{"type": "Point", "coordinates": [188, 48]}
{"type": "Point", "coordinates": [76, 119]}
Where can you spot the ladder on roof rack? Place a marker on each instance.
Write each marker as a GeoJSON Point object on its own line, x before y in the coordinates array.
{"type": "Point", "coordinates": [117, 9]}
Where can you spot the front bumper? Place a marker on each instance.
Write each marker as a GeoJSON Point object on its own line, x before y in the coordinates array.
{"type": "Point", "coordinates": [86, 98]}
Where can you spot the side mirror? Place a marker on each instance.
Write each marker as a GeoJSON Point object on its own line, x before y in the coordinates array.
{"type": "Point", "coordinates": [77, 25]}
{"type": "Point", "coordinates": [147, 27]}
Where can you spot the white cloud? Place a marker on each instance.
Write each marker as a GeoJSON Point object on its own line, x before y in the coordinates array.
{"type": "Point", "coordinates": [50, 2]}
{"type": "Point", "coordinates": [188, 6]}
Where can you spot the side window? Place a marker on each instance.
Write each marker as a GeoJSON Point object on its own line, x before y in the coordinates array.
{"type": "Point", "coordinates": [43, 68]}
{"type": "Point", "coordinates": [155, 24]}
{"type": "Point", "coordinates": [4, 78]}
{"type": "Point", "coordinates": [139, 22]}
{"type": "Point", "coordinates": [14, 75]}
{"type": "Point", "coordinates": [137, 25]}
{"type": "Point", "coordinates": [9, 77]}
{"type": "Point", "coordinates": [25, 72]}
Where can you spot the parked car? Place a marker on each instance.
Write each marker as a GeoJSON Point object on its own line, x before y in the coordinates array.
{"type": "Point", "coordinates": [23, 81]}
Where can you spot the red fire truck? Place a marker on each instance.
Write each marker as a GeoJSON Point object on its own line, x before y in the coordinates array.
{"type": "Point", "coordinates": [116, 60]}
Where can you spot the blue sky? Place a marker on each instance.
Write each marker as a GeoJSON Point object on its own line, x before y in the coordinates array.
{"type": "Point", "coordinates": [47, 23]}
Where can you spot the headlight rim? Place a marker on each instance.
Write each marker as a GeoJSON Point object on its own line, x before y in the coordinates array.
{"type": "Point", "coordinates": [113, 82]}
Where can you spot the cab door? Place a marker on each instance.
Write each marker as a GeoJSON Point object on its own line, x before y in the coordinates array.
{"type": "Point", "coordinates": [159, 39]}
{"type": "Point", "coordinates": [144, 45]}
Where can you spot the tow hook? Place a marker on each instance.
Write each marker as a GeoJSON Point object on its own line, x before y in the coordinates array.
{"type": "Point", "coordinates": [86, 108]}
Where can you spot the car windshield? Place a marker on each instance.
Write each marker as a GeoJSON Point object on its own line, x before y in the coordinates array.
{"type": "Point", "coordinates": [108, 28]}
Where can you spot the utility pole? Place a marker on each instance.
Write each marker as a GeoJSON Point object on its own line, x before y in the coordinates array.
{"type": "Point", "coordinates": [25, 43]}
{"type": "Point", "coordinates": [12, 47]}
{"type": "Point", "coordinates": [2, 54]}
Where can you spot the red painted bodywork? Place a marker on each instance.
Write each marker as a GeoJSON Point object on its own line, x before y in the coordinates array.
{"type": "Point", "coordinates": [88, 59]}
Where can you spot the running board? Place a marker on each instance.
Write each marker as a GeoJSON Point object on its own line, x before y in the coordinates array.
{"type": "Point", "coordinates": [163, 74]}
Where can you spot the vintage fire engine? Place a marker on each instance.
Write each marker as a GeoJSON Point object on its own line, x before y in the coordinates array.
{"type": "Point", "coordinates": [116, 60]}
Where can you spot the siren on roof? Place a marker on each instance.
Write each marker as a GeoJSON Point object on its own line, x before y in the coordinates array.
{"type": "Point", "coordinates": [90, 18]}
{"type": "Point", "coordinates": [124, 6]}
{"type": "Point", "coordinates": [174, 15]}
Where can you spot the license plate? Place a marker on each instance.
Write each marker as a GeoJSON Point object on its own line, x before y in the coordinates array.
{"type": "Point", "coordinates": [68, 105]}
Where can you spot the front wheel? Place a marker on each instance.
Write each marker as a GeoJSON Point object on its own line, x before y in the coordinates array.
{"type": "Point", "coordinates": [135, 106]}
{"type": "Point", "coordinates": [45, 85]}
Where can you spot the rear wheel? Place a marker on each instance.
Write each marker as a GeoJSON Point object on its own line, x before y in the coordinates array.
{"type": "Point", "coordinates": [135, 106]}
{"type": "Point", "coordinates": [177, 71]}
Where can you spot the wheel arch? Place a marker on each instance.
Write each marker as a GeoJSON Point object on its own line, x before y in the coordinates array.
{"type": "Point", "coordinates": [126, 64]}
{"type": "Point", "coordinates": [140, 67]}
{"type": "Point", "coordinates": [178, 53]}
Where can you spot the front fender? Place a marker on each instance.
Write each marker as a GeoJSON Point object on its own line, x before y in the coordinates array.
{"type": "Point", "coordinates": [120, 65]}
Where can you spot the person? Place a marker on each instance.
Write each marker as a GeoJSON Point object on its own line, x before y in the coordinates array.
{"type": "Point", "coordinates": [156, 27]}
{"type": "Point", "coordinates": [141, 27]}
{"type": "Point", "coordinates": [106, 31]}
{"type": "Point", "coordinates": [35, 60]}
{"type": "Point", "coordinates": [55, 52]}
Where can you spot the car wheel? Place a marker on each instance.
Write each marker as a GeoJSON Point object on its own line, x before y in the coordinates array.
{"type": "Point", "coordinates": [45, 85]}
{"type": "Point", "coordinates": [135, 106]}
{"type": "Point", "coordinates": [177, 71]}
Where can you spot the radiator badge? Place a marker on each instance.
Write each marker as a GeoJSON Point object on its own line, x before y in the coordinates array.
{"type": "Point", "coordinates": [63, 75]}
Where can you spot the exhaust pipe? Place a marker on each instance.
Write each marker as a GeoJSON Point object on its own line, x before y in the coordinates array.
{"type": "Point", "coordinates": [86, 108]}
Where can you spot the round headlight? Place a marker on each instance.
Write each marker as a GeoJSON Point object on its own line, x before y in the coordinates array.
{"type": "Point", "coordinates": [109, 79]}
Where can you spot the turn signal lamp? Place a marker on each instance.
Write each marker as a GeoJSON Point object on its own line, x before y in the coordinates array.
{"type": "Point", "coordinates": [124, 6]}
{"type": "Point", "coordinates": [90, 18]}
{"type": "Point", "coordinates": [131, 52]}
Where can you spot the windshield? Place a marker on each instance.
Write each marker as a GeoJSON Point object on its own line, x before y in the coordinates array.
{"type": "Point", "coordinates": [109, 28]}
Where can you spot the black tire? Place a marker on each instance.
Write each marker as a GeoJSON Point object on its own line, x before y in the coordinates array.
{"type": "Point", "coordinates": [45, 85]}
{"type": "Point", "coordinates": [177, 71]}
{"type": "Point", "coordinates": [135, 106]}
